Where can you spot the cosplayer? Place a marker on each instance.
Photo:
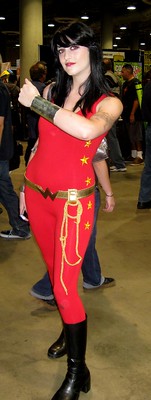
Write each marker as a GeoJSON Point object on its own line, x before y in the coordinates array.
{"type": "Point", "coordinates": [60, 181]}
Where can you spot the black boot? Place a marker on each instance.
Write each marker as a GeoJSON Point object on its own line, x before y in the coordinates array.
{"type": "Point", "coordinates": [78, 376]}
{"type": "Point", "coordinates": [58, 349]}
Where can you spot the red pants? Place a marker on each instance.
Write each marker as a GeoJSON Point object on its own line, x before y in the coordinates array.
{"type": "Point", "coordinates": [63, 246]}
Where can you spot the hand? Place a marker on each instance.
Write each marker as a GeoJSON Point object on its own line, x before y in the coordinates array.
{"type": "Point", "coordinates": [23, 205]}
{"type": "Point", "coordinates": [110, 204]}
{"type": "Point", "coordinates": [27, 93]}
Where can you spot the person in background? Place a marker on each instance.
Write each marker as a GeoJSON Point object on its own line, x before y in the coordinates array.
{"type": "Point", "coordinates": [116, 159]}
{"type": "Point", "coordinates": [14, 89]}
{"type": "Point", "coordinates": [144, 197]}
{"type": "Point", "coordinates": [132, 117]}
{"type": "Point", "coordinates": [8, 197]}
{"type": "Point", "coordinates": [4, 76]}
{"type": "Point", "coordinates": [38, 73]}
{"type": "Point", "coordinates": [60, 180]}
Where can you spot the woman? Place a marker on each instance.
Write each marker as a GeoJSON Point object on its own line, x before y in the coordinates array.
{"type": "Point", "coordinates": [60, 180]}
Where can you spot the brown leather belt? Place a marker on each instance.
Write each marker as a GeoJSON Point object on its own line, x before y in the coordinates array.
{"type": "Point", "coordinates": [71, 194]}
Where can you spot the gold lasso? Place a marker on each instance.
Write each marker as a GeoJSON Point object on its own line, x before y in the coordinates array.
{"type": "Point", "coordinates": [64, 235]}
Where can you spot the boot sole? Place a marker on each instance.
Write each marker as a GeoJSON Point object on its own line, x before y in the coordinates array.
{"type": "Point", "coordinates": [53, 356]}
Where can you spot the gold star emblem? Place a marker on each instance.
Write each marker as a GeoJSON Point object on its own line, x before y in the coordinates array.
{"type": "Point", "coordinates": [89, 205]}
{"type": "Point", "coordinates": [88, 143]}
{"type": "Point", "coordinates": [87, 225]}
{"type": "Point", "coordinates": [84, 160]}
{"type": "Point", "coordinates": [88, 181]}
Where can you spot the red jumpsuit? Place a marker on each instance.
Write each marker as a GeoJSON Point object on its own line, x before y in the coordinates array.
{"type": "Point", "coordinates": [62, 231]}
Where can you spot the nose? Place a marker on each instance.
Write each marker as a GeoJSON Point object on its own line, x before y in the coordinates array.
{"type": "Point", "coordinates": [67, 53]}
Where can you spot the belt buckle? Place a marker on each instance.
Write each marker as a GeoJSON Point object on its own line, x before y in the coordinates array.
{"type": "Point", "coordinates": [72, 196]}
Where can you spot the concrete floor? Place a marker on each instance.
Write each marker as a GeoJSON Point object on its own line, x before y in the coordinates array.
{"type": "Point", "coordinates": [119, 325]}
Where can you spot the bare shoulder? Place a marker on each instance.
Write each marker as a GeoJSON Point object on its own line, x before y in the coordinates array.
{"type": "Point", "coordinates": [110, 104]}
{"type": "Point", "coordinates": [47, 89]}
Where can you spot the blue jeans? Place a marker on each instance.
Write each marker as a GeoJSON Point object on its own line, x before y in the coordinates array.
{"type": "Point", "coordinates": [91, 268]}
{"type": "Point", "coordinates": [114, 148]}
{"type": "Point", "coordinates": [10, 200]}
{"type": "Point", "coordinates": [145, 183]}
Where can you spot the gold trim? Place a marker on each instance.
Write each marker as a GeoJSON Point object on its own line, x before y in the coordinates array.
{"type": "Point", "coordinates": [60, 194]}
{"type": "Point", "coordinates": [64, 235]}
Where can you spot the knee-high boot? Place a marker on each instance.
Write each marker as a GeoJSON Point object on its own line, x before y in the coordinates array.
{"type": "Point", "coordinates": [78, 376]}
{"type": "Point", "coordinates": [58, 348]}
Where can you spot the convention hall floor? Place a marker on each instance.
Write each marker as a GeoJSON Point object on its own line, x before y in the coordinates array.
{"type": "Point", "coordinates": [119, 324]}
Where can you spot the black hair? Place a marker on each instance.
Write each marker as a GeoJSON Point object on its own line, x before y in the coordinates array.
{"type": "Point", "coordinates": [37, 70]}
{"type": "Point", "coordinates": [95, 85]}
{"type": "Point", "coordinates": [107, 64]}
{"type": "Point", "coordinates": [12, 78]}
{"type": "Point", "coordinates": [128, 67]}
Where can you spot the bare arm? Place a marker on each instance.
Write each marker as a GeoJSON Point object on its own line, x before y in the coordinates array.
{"type": "Point", "coordinates": [46, 90]}
{"type": "Point", "coordinates": [1, 127]}
{"type": "Point", "coordinates": [134, 108]}
{"type": "Point", "coordinates": [108, 111]}
{"type": "Point", "coordinates": [101, 171]}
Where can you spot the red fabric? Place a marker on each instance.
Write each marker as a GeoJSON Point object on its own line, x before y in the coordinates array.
{"type": "Point", "coordinates": [60, 163]}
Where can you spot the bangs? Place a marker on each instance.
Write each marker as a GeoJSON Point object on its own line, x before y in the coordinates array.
{"type": "Point", "coordinates": [65, 41]}
{"type": "Point", "coordinates": [76, 33]}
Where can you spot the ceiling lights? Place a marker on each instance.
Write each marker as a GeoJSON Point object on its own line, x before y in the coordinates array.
{"type": "Point", "coordinates": [131, 8]}
{"type": "Point", "coordinates": [85, 17]}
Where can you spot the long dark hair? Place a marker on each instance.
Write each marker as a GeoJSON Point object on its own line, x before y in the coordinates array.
{"type": "Point", "coordinates": [95, 85]}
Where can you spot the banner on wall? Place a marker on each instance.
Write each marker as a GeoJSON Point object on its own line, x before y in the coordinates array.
{"type": "Point", "coordinates": [115, 55]}
{"type": "Point", "coordinates": [147, 61]}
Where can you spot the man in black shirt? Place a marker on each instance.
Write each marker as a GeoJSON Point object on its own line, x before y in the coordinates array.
{"type": "Point", "coordinates": [131, 115]}
{"type": "Point", "coordinates": [8, 197]}
{"type": "Point", "coordinates": [115, 154]}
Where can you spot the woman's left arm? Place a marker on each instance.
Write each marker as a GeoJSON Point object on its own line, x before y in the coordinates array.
{"type": "Point", "coordinates": [108, 111]}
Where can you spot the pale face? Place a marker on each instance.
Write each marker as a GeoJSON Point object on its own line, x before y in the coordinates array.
{"type": "Point", "coordinates": [75, 60]}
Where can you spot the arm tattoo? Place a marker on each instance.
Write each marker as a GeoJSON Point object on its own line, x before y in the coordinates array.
{"type": "Point", "coordinates": [107, 118]}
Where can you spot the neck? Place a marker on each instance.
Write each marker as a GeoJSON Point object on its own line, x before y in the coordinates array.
{"type": "Point", "coordinates": [79, 79]}
{"type": "Point", "coordinates": [131, 77]}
